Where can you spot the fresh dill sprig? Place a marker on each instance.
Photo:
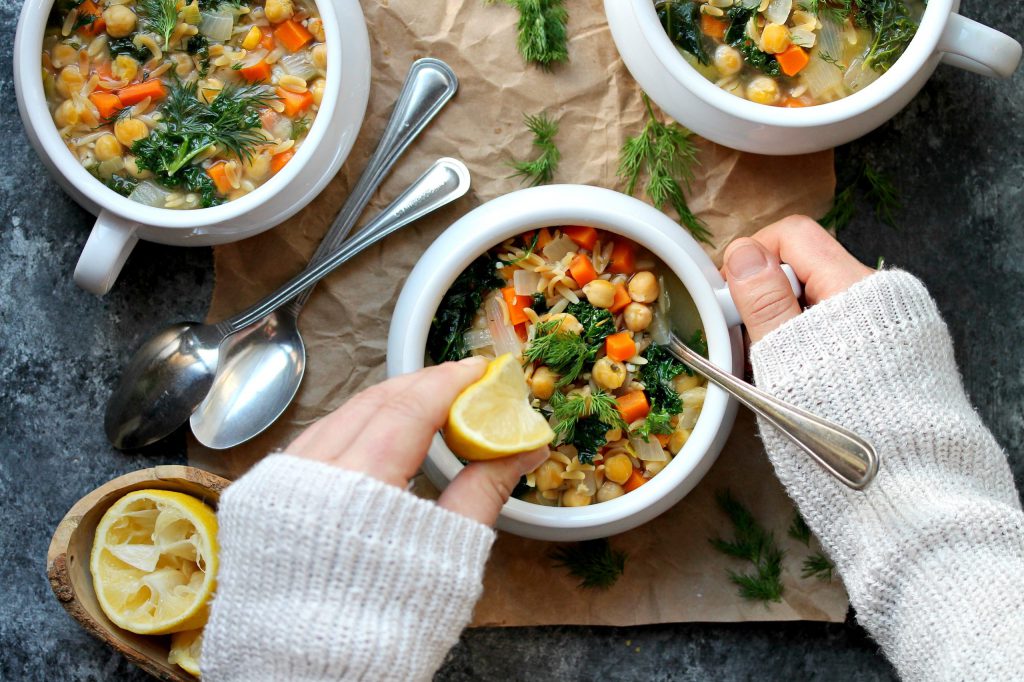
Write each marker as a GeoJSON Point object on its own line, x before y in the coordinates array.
{"type": "Point", "coordinates": [299, 128]}
{"type": "Point", "coordinates": [664, 153]}
{"type": "Point", "coordinates": [594, 562]}
{"type": "Point", "coordinates": [819, 566]}
{"type": "Point", "coordinates": [541, 170]}
{"type": "Point", "coordinates": [799, 530]}
{"type": "Point", "coordinates": [159, 16]}
{"type": "Point", "coordinates": [543, 37]}
{"type": "Point", "coordinates": [566, 354]}
{"type": "Point", "coordinates": [877, 187]}
{"type": "Point", "coordinates": [568, 410]}
{"type": "Point", "coordinates": [751, 542]}
{"type": "Point", "coordinates": [524, 255]}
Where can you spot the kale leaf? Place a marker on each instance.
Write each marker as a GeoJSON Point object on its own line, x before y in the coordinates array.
{"type": "Point", "coordinates": [199, 46]}
{"type": "Point", "coordinates": [458, 308]}
{"type": "Point", "coordinates": [657, 422]}
{"type": "Point", "coordinates": [657, 377]}
{"type": "Point", "coordinates": [682, 24]}
{"type": "Point", "coordinates": [589, 437]}
{"type": "Point", "coordinates": [598, 323]}
{"type": "Point", "coordinates": [736, 35]}
{"type": "Point", "coordinates": [121, 184]}
{"type": "Point", "coordinates": [126, 46]}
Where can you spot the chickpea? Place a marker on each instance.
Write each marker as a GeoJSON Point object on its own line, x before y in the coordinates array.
{"type": "Point", "coordinates": [66, 114]}
{"type": "Point", "coordinates": [63, 55]}
{"type": "Point", "coordinates": [678, 440]}
{"type": "Point", "coordinates": [131, 166]}
{"type": "Point", "coordinates": [613, 435]}
{"type": "Point", "coordinates": [728, 60]}
{"type": "Point", "coordinates": [684, 382]}
{"type": "Point", "coordinates": [600, 293]}
{"type": "Point", "coordinates": [120, 21]}
{"type": "Point", "coordinates": [277, 11]}
{"type": "Point", "coordinates": [542, 383]}
{"type": "Point", "coordinates": [125, 68]}
{"type": "Point", "coordinates": [618, 468]}
{"type": "Point", "coordinates": [774, 38]}
{"type": "Point", "coordinates": [637, 317]}
{"type": "Point", "coordinates": [257, 167]}
{"type": "Point", "coordinates": [609, 490]}
{"type": "Point", "coordinates": [128, 131]}
{"type": "Point", "coordinates": [70, 80]}
{"type": "Point", "coordinates": [608, 374]}
{"type": "Point", "coordinates": [319, 56]}
{"type": "Point", "coordinates": [567, 324]}
{"type": "Point", "coordinates": [317, 90]}
{"type": "Point", "coordinates": [574, 498]}
{"type": "Point", "coordinates": [643, 288]}
{"type": "Point", "coordinates": [763, 90]}
{"type": "Point", "coordinates": [107, 147]}
{"type": "Point", "coordinates": [549, 475]}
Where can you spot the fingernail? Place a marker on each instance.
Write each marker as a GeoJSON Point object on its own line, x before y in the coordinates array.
{"type": "Point", "coordinates": [532, 460]}
{"type": "Point", "coordinates": [746, 261]}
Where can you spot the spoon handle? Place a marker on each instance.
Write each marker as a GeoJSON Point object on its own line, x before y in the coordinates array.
{"type": "Point", "coordinates": [429, 86]}
{"type": "Point", "coordinates": [842, 453]}
{"type": "Point", "coordinates": [446, 180]}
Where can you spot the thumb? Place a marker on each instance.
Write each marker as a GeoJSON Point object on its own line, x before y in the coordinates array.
{"type": "Point", "coordinates": [482, 488]}
{"type": "Point", "coordinates": [759, 287]}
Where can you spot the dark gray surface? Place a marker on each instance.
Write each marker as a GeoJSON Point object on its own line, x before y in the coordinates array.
{"type": "Point", "coordinates": [956, 156]}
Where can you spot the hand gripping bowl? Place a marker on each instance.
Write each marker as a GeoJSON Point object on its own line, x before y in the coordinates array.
{"type": "Point", "coordinates": [529, 209]}
{"type": "Point", "coordinates": [697, 103]}
{"type": "Point", "coordinates": [121, 222]}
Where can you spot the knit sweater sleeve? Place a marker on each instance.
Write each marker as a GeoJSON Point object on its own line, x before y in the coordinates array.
{"type": "Point", "coordinates": [327, 574]}
{"type": "Point", "coordinates": [932, 553]}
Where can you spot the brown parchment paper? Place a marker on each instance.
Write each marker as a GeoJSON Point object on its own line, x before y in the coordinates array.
{"type": "Point", "coordinates": [672, 573]}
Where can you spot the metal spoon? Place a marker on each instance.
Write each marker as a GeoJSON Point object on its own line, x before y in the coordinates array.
{"type": "Point", "coordinates": [262, 367]}
{"type": "Point", "coordinates": [841, 452]}
{"type": "Point", "coordinates": [172, 372]}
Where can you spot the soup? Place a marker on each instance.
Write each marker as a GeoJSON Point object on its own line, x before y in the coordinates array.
{"type": "Point", "coordinates": [179, 105]}
{"type": "Point", "coordinates": [791, 53]}
{"type": "Point", "coordinates": [581, 308]}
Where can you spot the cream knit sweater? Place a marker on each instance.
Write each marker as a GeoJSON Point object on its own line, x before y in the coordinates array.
{"type": "Point", "coordinates": [328, 575]}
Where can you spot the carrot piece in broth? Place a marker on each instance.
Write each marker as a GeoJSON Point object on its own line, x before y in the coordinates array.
{"type": "Point", "coordinates": [712, 27]}
{"type": "Point", "coordinates": [292, 35]}
{"type": "Point", "coordinates": [620, 347]}
{"type": "Point", "coordinates": [582, 270]}
{"type": "Point", "coordinates": [635, 480]}
{"type": "Point", "coordinates": [278, 161]}
{"type": "Point", "coordinates": [295, 102]}
{"type": "Point", "coordinates": [133, 94]}
{"type": "Point", "coordinates": [107, 103]}
{"type": "Point", "coordinates": [584, 236]}
{"type": "Point", "coordinates": [633, 406]}
{"type": "Point", "coordinates": [256, 73]}
{"type": "Point", "coordinates": [623, 260]}
{"type": "Point", "coordinates": [516, 304]}
{"type": "Point", "coordinates": [793, 60]}
{"type": "Point", "coordinates": [218, 172]}
{"type": "Point", "coordinates": [621, 300]}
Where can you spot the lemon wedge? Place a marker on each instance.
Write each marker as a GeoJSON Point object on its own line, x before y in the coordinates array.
{"type": "Point", "coordinates": [492, 417]}
{"type": "Point", "coordinates": [154, 562]}
{"type": "Point", "coordinates": [185, 649]}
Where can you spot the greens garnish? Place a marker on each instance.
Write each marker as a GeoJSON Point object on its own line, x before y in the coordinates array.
{"type": "Point", "coordinates": [455, 314]}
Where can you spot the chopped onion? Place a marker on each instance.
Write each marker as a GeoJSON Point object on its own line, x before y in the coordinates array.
{"type": "Point", "coordinates": [820, 77]}
{"type": "Point", "coordinates": [298, 64]}
{"type": "Point", "coordinates": [217, 25]}
{"type": "Point", "coordinates": [525, 282]}
{"type": "Point", "coordinates": [858, 75]}
{"type": "Point", "coordinates": [149, 193]}
{"type": "Point", "coordinates": [659, 329]}
{"type": "Point", "coordinates": [503, 334]}
{"type": "Point", "coordinates": [281, 128]}
{"type": "Point", "coordinates": [477, 338]}
{"type": "Point", "coordinates": [778, 11]}
{"type": "Point", "coordinates": [109, 167]}
{"type": "Point", "coordinates": [803, 37]}
{"type": "Point", "coordinates": [830, 39]}
{"type": "Point", "coordinates": [648, 451]}
{"type": "Point", "coordinates": [588, 486]}
{"type": "Point", "coordinates": [556, 249]}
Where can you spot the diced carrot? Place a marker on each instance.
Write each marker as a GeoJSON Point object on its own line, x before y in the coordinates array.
{"type": "Point", "coordinates": [96, 27]}
{"type": "Point", "coordinates": [277, 161]}
{"type": "Point", "coordinates": [107, 103]}
{"type": "Point", "coordinates": [582, 270]}
{"type": "Point", "coordinates": [507, 272]}
{"type": "Point", "coordinates": [712, 27]}
{"type": "Point", "coordinates": [663, 439]}
{"type": "Point", "coordinates": [295, 102]}
{"type": "Point", "coordinates": [543, 238]}
{"type": "Point", "coordinates": [133, 94]}
{"type": "Point", "coordinates": [635, 480]}
{"type": "Point", "coordinates": [91, 9]}
{"type": "Point", "coordinates": [623, 261]}
{"type": "Point", "coordinates": [794, 103]}
{"type": "Point", "coordinates": [621, 299]}
{"type": "Point", "coordinates": [516, 304]}
{"type": "Point", "coordinates": [218, 173]}
{"type": "Point", "coordinates": [267, 41]}
{"type": "Point", "coordinates": [793, 60]}
{"type": "Point", "coordinates": [521, 331]}
{"type": "Point", "coordinates": [633, 406]}
{"type": "Point", "coordinates": [584, 236]}
{"type": "Point", "coordinates": [292, 35]}
{"type": "Point", "coordinates": [620, 347]}
{"type": "Point", "coordinates": [256, 73]}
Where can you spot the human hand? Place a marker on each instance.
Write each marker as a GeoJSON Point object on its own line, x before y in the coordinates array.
{"type": "Point", "coordinates": [760, 288]}
{"type": "Point", "coordinates": [384, 432]}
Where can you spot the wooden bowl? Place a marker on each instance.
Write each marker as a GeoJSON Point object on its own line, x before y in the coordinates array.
{"type": "Point", "coordinates": [67, 561]}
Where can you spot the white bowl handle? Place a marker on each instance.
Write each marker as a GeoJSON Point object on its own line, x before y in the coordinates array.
{"type": "Point", "coordinates": [978, 48]}
{"type": "Point", "coordinates": [732, 313]}
{"type": "Point", "coordinates": [111, 240]}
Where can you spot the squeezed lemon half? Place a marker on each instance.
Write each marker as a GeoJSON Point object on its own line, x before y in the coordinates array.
{"type": "Point", "coordinates": [154, 562]}
{"type": "Point", "coordinates": [492, 417]}
{"type": "Point", "coordinates": [185, 649]}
